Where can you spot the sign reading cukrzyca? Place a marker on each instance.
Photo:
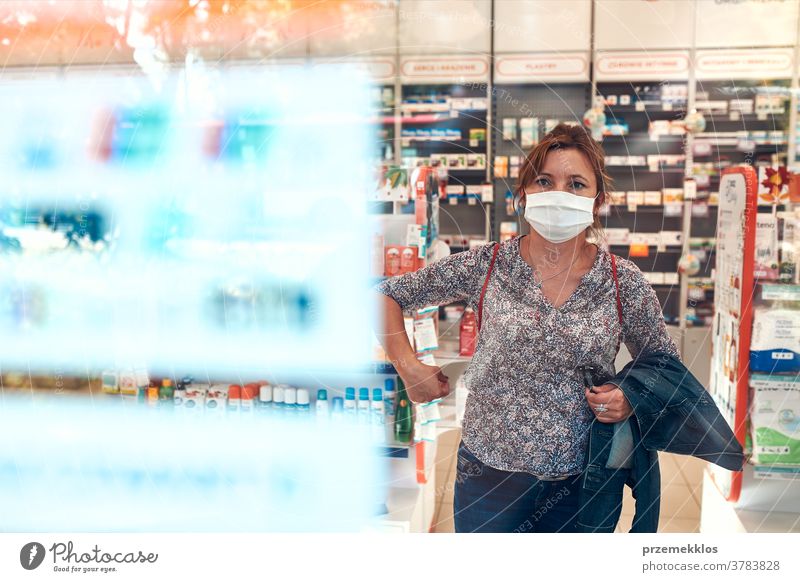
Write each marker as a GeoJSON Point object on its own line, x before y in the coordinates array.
{"type": "Point", "coordinates": [444, 69]}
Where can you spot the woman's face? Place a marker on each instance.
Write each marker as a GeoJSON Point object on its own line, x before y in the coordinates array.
{"type": "Point", "coordinates": [567, 170]}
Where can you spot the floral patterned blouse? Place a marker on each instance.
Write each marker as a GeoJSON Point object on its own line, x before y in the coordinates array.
{"type": "Point", "coordinates": [526, 409]}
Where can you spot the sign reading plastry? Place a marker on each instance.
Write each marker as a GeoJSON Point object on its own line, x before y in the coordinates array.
{"type": "Point", "coordinates": [641, 66]}
{"type": "Point", "coordinates": [541, 67]}
{"type": "Point", "coordinates": [767, 63]}
{"type": "Point", "coordinates": [444, 69]}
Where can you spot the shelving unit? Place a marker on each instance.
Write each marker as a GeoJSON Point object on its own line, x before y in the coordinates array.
{"type": "Point", "coordinates": [541, 103]}
{"type": "Point", "coordinates": [640, 107]}
{"type": "Point", "coordinates": [457, 124]}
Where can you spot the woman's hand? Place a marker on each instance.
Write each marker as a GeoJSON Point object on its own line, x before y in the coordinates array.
{"type": "Point", "coordinates": [614, 401]}
{"type": "Point", "coordinates": [425, 383]}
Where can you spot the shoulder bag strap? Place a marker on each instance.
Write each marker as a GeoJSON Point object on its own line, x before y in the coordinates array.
{"type": "Point", "coordinates": [616, 286]}
{"type": "Point", "coordinates": [486, 284]}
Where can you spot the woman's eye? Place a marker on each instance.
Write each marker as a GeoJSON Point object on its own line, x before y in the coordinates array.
{"type": "Point", "coordinates": [542, 182]}
{"type": "Point", "coordinates": [578, 185]}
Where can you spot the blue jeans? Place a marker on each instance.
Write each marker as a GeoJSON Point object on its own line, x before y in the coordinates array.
{"type": "Point", "coordinates": [488, 500]}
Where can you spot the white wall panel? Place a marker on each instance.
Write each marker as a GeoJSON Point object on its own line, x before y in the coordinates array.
{"type": "Point", "coordinates": [542, 25]}
{"type": "Point", "coordinates": [639, 24]}
{"type": "Point", "coordinates": [436, 27]}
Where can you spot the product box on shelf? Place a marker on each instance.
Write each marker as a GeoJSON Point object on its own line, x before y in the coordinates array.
{"type": "Point", "coordinates": [672, 195]}
{"type": "Point", "coordinates": [195, 398]}
{"type": "Point", "coordinates": [671, 278]}
{"type": "Point", "coordinates": [775, 419]}
{"type": "Point", "coordinates": [635, 197]}
{"type": "Point", "coordinates": [775, 342]}
{"type": "Point", "coordinates": [618, 236]}
{"type": "Point", "coordinates": [789, 252]}
{"type": "Point", "coordinates": [766, 240]}
{"type": "Point", "coordinates": [617, 197]}
{"type": "Point", "coordinates": [671, 237]}
{"type": "Point", "coordinates": [652, 197]}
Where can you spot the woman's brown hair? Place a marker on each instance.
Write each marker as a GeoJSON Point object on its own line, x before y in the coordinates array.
{"type": "Point", "coordinates": [564, 136]}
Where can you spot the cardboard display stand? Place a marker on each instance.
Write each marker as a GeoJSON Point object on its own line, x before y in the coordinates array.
{"type": "Point", "coordinates": [736, 223]}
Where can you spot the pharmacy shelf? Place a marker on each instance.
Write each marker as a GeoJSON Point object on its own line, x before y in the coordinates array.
{"type": "Point", "coordinates": [639, 137]}
{"type": "Point", "coordinates": [779, 292]}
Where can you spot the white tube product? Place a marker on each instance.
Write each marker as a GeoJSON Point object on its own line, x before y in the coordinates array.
{"type": "Point", "coordinates": [349, 409]}
{"type": "Point", "coordinates": [378, 409]}
{"type": "Point", "coordinates": [264, 397]}
{"type": "Point", "coordinates": [303, 402]}
{"type": "Point", "coordinates": [323, 409]}
{"type": "Point", "coordinates": [277, 399]}
{"type": "Point", "coordinates": [290, 400]}
{"type": "Point", "coordinates": [364, 415]}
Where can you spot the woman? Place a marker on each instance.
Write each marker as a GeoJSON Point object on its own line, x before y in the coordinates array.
{"type": "Point", "coordinates": [550, 306]}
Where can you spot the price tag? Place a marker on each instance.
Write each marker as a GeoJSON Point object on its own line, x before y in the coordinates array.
{"type": "Point", "coordinates": [452, 200]}
{"type": "Point", "coordinates": [453, 113]}
{"type": "Point", "coordinates": [734, 116]}
{"type": "Point", "coordinates": [471, 200]}
{"type": "Point", "coordinates": [473, 143]}
{"type": "Point", "coordinates": [639, 106]}
{"type": "Point", "coordinates": [632, 207]}
{"type": "Point", "coordinates": [761, 116]}
{"type": "Point", "coordinates": [639, 250]}
{"type": "Point", "coordinates": [673, 209]}
{"type": "Point", "coordinates": [667, 106]}
{"type": "Point", "coordinates": [487, 192]}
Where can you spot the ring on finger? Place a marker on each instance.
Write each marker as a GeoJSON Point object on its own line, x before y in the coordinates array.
{"type": "Point", "coordinates": [601, 408]}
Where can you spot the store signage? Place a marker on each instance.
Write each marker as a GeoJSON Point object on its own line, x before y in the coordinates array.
{"type": "Point", "coordinates": [444, 69]}
{"type": "Point", "coordinates": [541, 67]}
{"type": "Point", "coordinates": [379, 69]}
{"type": "Point", "coordinates": [767, 63]}
{"type": "Point", "coordinates": [641, 66]}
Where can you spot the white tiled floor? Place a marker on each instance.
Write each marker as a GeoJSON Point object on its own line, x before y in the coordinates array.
{"type": "Point", "coordinates": [681, 480]}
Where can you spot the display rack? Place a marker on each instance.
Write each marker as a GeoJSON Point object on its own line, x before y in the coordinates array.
{"type": "Point", "coordinates": [754, 372]}
{"type": "Point", "coordinates": [445, 126]}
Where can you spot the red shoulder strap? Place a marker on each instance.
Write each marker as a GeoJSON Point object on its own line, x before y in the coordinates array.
{"type": "Point", "coordinates": [616, 286]}
{"type": "Point", "coordinates": [486, 284]}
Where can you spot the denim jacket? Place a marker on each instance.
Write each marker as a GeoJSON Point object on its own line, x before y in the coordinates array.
{"type": "Point", "coordinates": [672, 412]}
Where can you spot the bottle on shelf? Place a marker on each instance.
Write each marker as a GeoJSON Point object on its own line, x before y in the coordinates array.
{"type": "Point", "coordinates": [349, 406]}
{"type": "Point", "coordinates": [389, 396]}
{"type": "Point", "coordinates": [378, 416]}
{"type": "Point", "coordinates": [403, 422]}
{"type": "Point", "coordinates": [234, 398]}
{"type": "Point", "coordinates": [337, 409]}
{"type": "Point", "coordinates": [322, 404]}
{"type": "Point", "coordinates": [468, 333]}
{"type": "Point", "coordinates": [264, 398]}
{"type": "Point", "coordinates": [166, 393]}
{"type": "Point", "coordinates": [249, 393]}
{"type": "Point", "coordinates": [152, 393]}
{"type": "Point", "coordinates": [277, 399]}
{"type": "Point", "coordinates": [364, 416]}
{"type": "Point", "coordinates": [290, 400]}
{"type": "Point", "coordinates": [303, 403]}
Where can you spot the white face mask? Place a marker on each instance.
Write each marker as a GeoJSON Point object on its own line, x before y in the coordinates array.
{"type": "Point", "coordinates": [559, 216]}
